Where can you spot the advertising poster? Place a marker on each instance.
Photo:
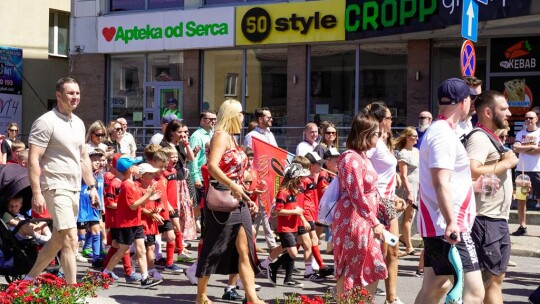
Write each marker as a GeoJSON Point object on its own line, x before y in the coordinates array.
{"type": "Point", "coordinates": [10, 86]}
{"type": "Point", "coordinates": [515, 71]}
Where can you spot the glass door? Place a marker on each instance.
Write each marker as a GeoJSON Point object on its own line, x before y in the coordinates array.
{"type": "Point", "coordinates": [157, 103]}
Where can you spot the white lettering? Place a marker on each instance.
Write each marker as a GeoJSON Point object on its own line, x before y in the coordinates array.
{"type": "Point", "coordinates": [519, 64]}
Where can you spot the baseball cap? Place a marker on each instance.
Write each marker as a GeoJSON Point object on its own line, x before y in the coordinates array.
{"type": "Point", "coordinates": [314, 158]}
{"type": "Point", "coordinates": [331, 152]}
{"type": "Point", "coordinates": [168, 118]}
{"type": "Point", "coordinates": [147, 168]}
{"type": "Point", "coordinates": [116, 156]}
{"type": "Point", "coordinates": [296, 170]}
{"type": "Point", "coordinates": [95, 151]}
{"type": "Point", "coordinates": [124, 163]}
{"type": "Point", "coordinates": [172, 100]}
{"type": "Point", "coordinates": [454, 90]}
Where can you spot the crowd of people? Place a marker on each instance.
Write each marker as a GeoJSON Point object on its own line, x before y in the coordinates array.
{"type": "Point", "coordinates": [110, 204]}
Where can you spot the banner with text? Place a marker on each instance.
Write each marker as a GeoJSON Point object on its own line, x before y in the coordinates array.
{"type": "Point", "coordinates": [270, 163]}
{"type": "Point", "coordinates": [11, 64]}
{"type": "Point", "coordinates": [167, 30]}
{"type": "Point", "coordinates": [315, 21]}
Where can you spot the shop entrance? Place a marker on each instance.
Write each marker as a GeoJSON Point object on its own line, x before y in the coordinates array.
{"type": "Point", "coordinates": [157, 95]}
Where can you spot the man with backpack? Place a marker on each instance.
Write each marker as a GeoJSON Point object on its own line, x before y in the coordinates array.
{"type": "Point", "coordinates": [490, 231]}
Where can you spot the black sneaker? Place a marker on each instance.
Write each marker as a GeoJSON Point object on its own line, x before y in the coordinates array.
{"type": "Point", "coordinates": [97, 263]}
{"type": "Point", "coordinates": [232, 295]}
{"type": "Point", "coordinates": [534, 298]}
{"type": "Point", "coordinates": [293, 283]}
{"type": "Point", "coordinates": [326, 271]}
{"type": "Point", "coordinates": [149, 282]}
{"type": "Point", "coordinates": [520, 231]}
{"type": "Point", "coordinates": [262, 270]}
{"type": "Point", "coordinates": [419, 274]}
{"type": "Point", "coordinates": [161, 263]}
{"type": "Point", "coordinates": [272, 274]}
{"type": "Point", "coordinates": [313, 277]}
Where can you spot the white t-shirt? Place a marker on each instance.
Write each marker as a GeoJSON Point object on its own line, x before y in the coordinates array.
{"type": "Point", "coordinates": [304, 148]}
{"type": "Point", "coordinates": [464, 128]}
{"type": "Point", "coordinates": [442, 149]}
{"type": "Point", "coordinates": [528, 162]}
{"type": "Point", "coordinates": [264, 135]}
{"type": "Point", "coordinates": [127, 144]}
{"type": "Point", "coordinates": [384, 162]}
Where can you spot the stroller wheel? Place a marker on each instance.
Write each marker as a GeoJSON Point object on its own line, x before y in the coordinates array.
{"type": "Point", "coordinates": [13, 278]}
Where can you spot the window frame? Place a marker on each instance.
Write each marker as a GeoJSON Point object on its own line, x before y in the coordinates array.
{"type": "Point", "coordinates": [55, 14]}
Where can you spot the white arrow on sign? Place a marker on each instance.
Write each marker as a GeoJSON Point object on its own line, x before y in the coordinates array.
{"type": "Point", "coordinates": [470, 13]}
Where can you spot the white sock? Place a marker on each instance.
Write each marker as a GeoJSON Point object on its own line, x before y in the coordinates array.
{"type": "Point", "coordinates": [144, 276]}
{"type": "Point", "coordinates": [309, 268]}
{"type": "Point", "coordinates": [230, 287]}
{"type": "Point", "coordinates": [157, 249]}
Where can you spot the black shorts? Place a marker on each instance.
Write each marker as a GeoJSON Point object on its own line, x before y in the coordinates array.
{"type": "Point", "coordinates": [436, 254]}
{"type": "Point", "coordinates": [126, 236]}
{"type": "Point", "coordinates": [174, 214]}
{"type": "Point", "coordinates": [114, 233]}
{"type": "Point", "coordinates": [535, 183]}
{"type": "Point", "coordinates": [287, 239]}
{"type": "Point", "coordinates": [82, 225]}
{"type": "Point", "coordinates": [167, 226]}
{"type": "Point", "coordinates": [302, 231]}
{"type": "Point", "coordinates": [492, 240]}
{"type": "Point", "coordinates": [149, 240]}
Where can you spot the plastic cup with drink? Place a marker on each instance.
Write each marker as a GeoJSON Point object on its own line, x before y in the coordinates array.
{"type": "Point", "coordinates": [523, 186]}
{"type": "Point", "coordinates": [490, 185]}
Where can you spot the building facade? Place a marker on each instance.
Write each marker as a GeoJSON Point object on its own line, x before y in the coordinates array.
{"type": "Point", "coordinates": [305, 60]}
{"type": "Point", "coordinates": [33, 55]}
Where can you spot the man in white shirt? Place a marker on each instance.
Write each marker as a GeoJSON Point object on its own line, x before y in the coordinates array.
{"type": "Point", "coordinates": [447, 205]}
{"type": "Point", "coordinates": [158, 137]}
{"type": "Point", "coordinates": [526, 145]}
{"type": "Point", "coordinates": [490, 231]}
{"type": "Point", "coordinates": [127, 143]}
{"type": "Point", "coordinates": [262, 131]}
{"type": "Point", "coordinates": [311, 133]}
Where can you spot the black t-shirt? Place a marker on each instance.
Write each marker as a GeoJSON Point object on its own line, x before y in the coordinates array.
{"type": "Point", "coordinates": [6, 149]}
{"type": "Point", "coordinates": [181, 163]}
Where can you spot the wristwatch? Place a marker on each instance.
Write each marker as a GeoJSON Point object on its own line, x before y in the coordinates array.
{"type": "Point", "coordinates": [90, 187]}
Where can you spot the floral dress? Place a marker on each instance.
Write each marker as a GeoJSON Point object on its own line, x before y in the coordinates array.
{"type": "Point", "coordinates": [357, 254]}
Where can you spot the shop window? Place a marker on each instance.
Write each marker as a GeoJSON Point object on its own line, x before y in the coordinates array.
{"type": "Point", "coordinates": [218, 84]}
{"type": "Point", "coordinates": [332, 84]}
{"type": "Point", "coordinates": [58, 33]}
{"type": "Point", "coordinates": [136, 5]}
{"type": "Point", "coordinates": [126, 86]}
{"type": "Point", "coordinates": [383, 77]}
{"type": "Point", "coordinates": [165, 67]}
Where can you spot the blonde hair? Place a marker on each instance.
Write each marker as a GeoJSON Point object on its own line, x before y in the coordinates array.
{"type": "Point", "coordinates": [150, 150]}
{"type": "Point", "coordinates": [227, 117]}
{"type": "Point", "coordinates": [95, 126]}
{"type": "Point", "coordinates": [17, 146]}
{"type": "Point", "coordinates": [400, 142]}
{"type": "Point", "coordinates": [169, 151]}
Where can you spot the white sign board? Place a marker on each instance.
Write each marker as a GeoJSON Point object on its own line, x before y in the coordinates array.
{"type": "Point", "coordinates": [166, 30]}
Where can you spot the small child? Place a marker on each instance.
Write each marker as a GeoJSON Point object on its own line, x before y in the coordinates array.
{"type": "Point", "coordinates": [128, 220]}
{"type": "Point", "coordinates": [150, 217]}
{"type": "Point", "coordinates": [16, 147]}
{"type": "Point", "coordinates": [288, 214]}
{"type": "Point", "coordinates": [22, 158]}
{"type": "Point", "coordinates": [12, 217]}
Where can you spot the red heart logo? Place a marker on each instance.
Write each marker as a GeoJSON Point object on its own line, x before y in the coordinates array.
{"type": "Point", "coordinates": [108, 33]}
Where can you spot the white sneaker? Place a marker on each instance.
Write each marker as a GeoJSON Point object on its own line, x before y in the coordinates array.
{"type": "Point", "coordinates": [190, 273]}
{"type": "Point", "coordinates": [81, 259]}
{"type": "Point", "coordinates": [396, 301]}
{"type": "Point", "coordinates": [240, 286]}
{"type": "Point", "coordinates": [155, 274]}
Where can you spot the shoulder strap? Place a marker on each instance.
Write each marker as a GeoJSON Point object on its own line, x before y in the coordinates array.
{"type": "Point", "coordinates": [495, 141]}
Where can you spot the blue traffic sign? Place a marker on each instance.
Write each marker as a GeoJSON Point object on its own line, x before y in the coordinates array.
{"type": "Point", "coordinates": [469, 20]}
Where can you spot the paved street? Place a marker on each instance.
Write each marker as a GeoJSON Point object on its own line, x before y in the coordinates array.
{"type": "Point", "coordinates": [521, 281]}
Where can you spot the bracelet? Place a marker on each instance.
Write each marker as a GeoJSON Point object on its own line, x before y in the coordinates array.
{"type": "Point", "coordinates": [186, 143]}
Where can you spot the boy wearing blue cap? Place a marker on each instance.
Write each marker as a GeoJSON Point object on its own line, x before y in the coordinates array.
{"type": "Point", "coordinates": [128, 220]}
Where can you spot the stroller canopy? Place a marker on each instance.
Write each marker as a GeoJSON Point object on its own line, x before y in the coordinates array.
{"type": "Point", "coordinates": [13, 181]}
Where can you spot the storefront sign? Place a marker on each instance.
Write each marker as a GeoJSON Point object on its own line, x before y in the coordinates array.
{"type": "Point", "coordinates": [10, 86]}
{"type": "Point", "coordinates": [290, 23]}
{"type": "Point", "coordinates": [372, 18]}
{"type": "Point", "coordinates": [167, 30]}
{"type": "Point", "coordinates": [516, 54]}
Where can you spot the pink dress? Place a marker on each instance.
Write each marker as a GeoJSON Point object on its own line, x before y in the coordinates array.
{"type": "Point", "coordinates": [357, 254]}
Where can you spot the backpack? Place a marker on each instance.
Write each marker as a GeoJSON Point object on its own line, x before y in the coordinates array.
{"type": "Point", "coordinates": [327, 204]}
{"type": "Point", "coordinates": [495, 141]}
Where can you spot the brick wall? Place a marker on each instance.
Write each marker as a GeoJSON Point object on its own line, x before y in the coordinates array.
{"type": "Point", "coordinates": [418, 91]}
{"type": "Point", "coordinates": [191, 67]}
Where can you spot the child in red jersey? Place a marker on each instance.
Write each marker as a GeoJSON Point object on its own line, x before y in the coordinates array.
{"type": "Point", "coordinates": [289, 214]}
{"type": "Point", "coordinates": [150, 217]}
{"type": "Point", "coordinates": [112, 182]}
{"type": "Point", "coordinates": [128, 220]}
{"type": "Point", "coordinates": [311, 205]}
{"type": "Point", "coordinates": [157, 158]}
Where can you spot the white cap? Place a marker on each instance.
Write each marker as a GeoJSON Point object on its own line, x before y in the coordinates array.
{"type": "Point", "coordinates": [147, 168]}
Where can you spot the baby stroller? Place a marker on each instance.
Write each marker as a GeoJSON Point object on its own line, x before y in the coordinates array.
{"type": "Point", "coordinates": [16, 256]}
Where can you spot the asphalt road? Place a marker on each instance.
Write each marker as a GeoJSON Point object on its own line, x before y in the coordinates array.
{"type": "Point", "coordinates": [520, 282]}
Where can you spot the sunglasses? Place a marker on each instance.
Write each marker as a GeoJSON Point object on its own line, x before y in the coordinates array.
{"type": "Point", "coordinates": [529, 118]}
{"type": "Point", "coordinates": [389, 117]}
{"type": "Point", "coordinates": [414, 136]}
{"type": "Point", "coordinates": [13, 130]}
{"type": "Point", "coordinates": [423, 117]}
{"type": "Point", "coordinates": [211, 119]}
{"type": "Point", "coordinates": [118, 129]}
{"type": "Point", "coordinates": [99, 134]}
{"type": "Point", "coordinates": [243, 112]}
{"type": "Point", "coordinates": [330, 133]}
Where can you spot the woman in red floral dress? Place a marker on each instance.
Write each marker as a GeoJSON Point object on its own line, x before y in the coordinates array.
{"type": "Point", "coordinates": [357, 231]}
